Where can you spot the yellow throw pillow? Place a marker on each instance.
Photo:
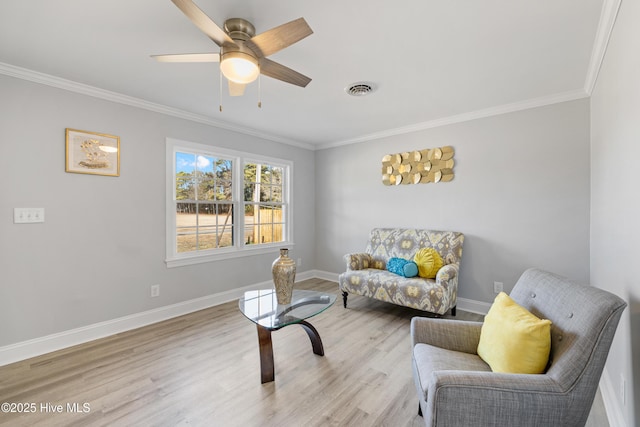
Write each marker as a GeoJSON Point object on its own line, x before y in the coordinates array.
{"type": "Point", "coordinates": [513, 340]}
{"type": "Point", "coordinates": [429, 262]}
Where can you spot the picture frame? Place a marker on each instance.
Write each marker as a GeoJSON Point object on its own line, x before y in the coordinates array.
{"type": "Point", "coordinates": [92, 153]}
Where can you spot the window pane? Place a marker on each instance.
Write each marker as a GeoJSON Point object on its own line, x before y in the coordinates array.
{"type": "Point", "coordinates": [225, 227]}
{"type": "Point", "coordinates": [185, 188]}
{"type": "Point", "coordinates": [186, 227]}
{"type": "Point", "coordinates": [264, 192]}
{"type": "Point", "coordinates": [204, 163]}
{"type": "Point", "coordinates": [263, 224]}
{"type": "Point", "coordinates": [266, 233]}
{"type": "Point", "coordinates": [206, 226]}
{"type": "Point", "coordinates": [250, 171]}
{"type": "Point", "coordinates": [276, 174]}
{"type": "Point", "coordinates": [224, 190]}
{"type": "Point", "coordinates": [185, 170]}
{"type": "Point", "coordinates": [263, 185]}
{"type": "Point", "coordinates": [215, 226]}
{"type": "Point", "coordinates": [251, 213]}
{"type": "Point", "coordinates": [249, 191]}
{"type": "Point", "coordinates": [205, 177]}
{"type": "Point", "coordinates": [249, 182]}
{"type": "Point", "coordinates": [276, 217]}
{"type": "Point", "coordinates": [271, 193]}
{"type": "Point", "coordinates": [276, 193]}
{"type": "Point", "coordinates": [265, 176]}
{"type": "Point", "coordinates": [185, 162]}
{"type": "Point", "coordinates": [206, 186]}
{"type": "Point", "coordinates": [276, 189]}
{"type": "Point", "coordinates": [224, 169]}
{"type": "Point", "coordinates": [202, 226]}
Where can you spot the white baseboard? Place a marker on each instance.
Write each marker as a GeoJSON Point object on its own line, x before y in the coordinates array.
{"type": "Point", "coordinates": [473, 306]}
{"type": "Point", "coordinates": [325, 275]}
{"type": "Point", "coordinates": [42, 345]}
{"type": "Point", "coordinates": [615, 416]}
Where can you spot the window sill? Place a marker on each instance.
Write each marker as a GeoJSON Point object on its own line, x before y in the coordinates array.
{"type": "Point", "coordinates": [181, 261]}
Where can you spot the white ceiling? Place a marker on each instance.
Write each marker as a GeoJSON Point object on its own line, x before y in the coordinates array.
{"type": "Point", "coordinates": [431, 61]}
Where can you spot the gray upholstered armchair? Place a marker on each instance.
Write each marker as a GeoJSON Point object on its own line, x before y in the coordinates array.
{"type": "Point", "coordinates": [457, 388]}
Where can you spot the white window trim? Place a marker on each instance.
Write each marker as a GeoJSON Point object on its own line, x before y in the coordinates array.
{"type": "Point", "coordinates": [239, 249]}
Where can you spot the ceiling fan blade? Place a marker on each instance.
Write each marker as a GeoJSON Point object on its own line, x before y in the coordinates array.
{"type": "Point", "coordinates": [278, 71]}
{"type": "Point", "coordinates": [202, 21]}
{"type": "Point", "coordinates": [276, 39]}
{"type": "Point", "coordinates": [236, 89]}
{"type": "Point", "coordinates": [188, 57]}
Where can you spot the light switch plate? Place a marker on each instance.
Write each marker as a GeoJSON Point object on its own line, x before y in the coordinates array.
{"type": "Point", "coordinates": [497, 287]}
{"type": "Point", "coordinates": [28, 215]}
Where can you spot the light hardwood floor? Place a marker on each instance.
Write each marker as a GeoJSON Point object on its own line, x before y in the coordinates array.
{"type": "Point", "coordinates": [202, 369]}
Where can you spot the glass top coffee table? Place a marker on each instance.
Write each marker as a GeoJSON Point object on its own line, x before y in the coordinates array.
{"type": "Point", "coordinates": [262, 308]}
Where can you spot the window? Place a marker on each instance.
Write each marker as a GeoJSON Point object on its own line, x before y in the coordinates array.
{"type": "Point", "coordinates": [223, 204]}
{"type": "Point", "coordinates": [263, 203]}
{"type": "Point", "coordinates": [204, 202]}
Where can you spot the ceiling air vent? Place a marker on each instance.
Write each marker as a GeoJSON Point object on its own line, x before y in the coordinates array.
{"type": "Point", "coordinates": [359, 89]}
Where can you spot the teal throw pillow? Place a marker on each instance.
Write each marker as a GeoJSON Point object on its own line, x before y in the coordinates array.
{"type": "Point", "coordinates": [410, 269]}
{"type": "Point", "coordinates": [402, 267]}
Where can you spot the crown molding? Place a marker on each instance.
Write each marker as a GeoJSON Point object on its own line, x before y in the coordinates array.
{"type": "Point", "coordinates": [69, 85]}
{"type": "Point", "coordinates": [608, 17]}
{"type": "Point", "coordinates": [473, 115]}
{"type": "Point", "coordinates": [607, 20]}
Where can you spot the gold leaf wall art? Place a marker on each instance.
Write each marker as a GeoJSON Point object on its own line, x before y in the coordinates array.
{"type": "Point", "coordinates": [418, 167]}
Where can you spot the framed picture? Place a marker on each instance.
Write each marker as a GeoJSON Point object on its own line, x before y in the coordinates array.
{"type": "Point", "coordinates": [92, 153]}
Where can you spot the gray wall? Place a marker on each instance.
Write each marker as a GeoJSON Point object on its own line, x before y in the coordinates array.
{"type": "Point", "coordinates": [520, 195]}
{"type": "Point", "coordinates": [103, 243]}
{"type": "Point", "coordinates": [615, 199]}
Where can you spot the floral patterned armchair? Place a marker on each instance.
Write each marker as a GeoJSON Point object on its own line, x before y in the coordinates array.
{"type": "Point", "coordinates": [367, 275]}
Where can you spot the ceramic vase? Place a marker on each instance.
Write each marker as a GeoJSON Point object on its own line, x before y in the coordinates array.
{"type": "Point", "coordinates": [284, 275]}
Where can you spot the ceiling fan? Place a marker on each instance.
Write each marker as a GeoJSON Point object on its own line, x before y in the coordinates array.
{"type": "Point", "coordinates": [243, 55]}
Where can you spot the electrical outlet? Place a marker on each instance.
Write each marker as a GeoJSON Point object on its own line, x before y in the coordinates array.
{"type": "Point", "coordinates": [299, 262]}
{"type": "Point", "coordinates": [155, 291]}
{"type": "Point", "coordinates": [497, 287]}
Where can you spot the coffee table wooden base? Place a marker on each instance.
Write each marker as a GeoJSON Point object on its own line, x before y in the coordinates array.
{"type": "Point", "coordinates": [267, 370]}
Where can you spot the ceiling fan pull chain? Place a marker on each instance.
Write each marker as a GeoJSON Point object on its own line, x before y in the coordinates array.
{"type": "Point", "coordinates": [259, 92]}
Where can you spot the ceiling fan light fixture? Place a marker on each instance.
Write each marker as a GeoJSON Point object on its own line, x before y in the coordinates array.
{"type": "Point", "coordinates": [243, 55]}
{"type": "Point", "coordinates": [239, 67]}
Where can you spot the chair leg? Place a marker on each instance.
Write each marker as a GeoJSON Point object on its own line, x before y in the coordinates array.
{"type": "Point", "coordinates": [419, 409]}
{"type": "Point", "coordinates": [344, 298]}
